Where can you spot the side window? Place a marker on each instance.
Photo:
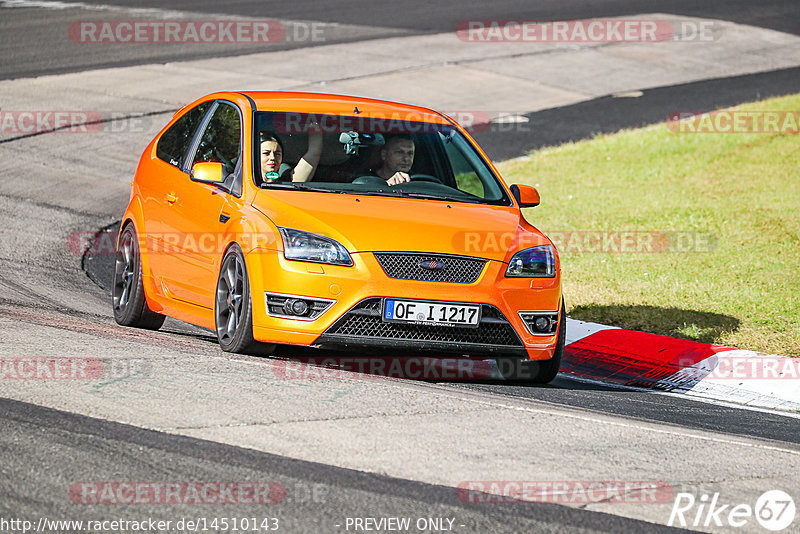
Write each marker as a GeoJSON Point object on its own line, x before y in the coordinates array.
{"type": "Point", "coordinates": [466, 178]}
{"type": "Point", "coordinates": [176, 141]}
{"type": "Point", "coordinates": [221, 140]}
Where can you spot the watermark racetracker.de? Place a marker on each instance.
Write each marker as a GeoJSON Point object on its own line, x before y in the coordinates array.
{"type": "Point", "coordinates": [589, 241]}
{"type": "Point", "coordinates": [364, 368]}
{"type": "Point", "coordinates": [735, 122]}
{"type": "Point", "coordinates": [734, 365]}
{"type": "Point", "coordinates": [399, 122]}
{"type": "Point", "coordinates": [39, 121]}
{"type": "Point", "coordinates": [587, 31]}
{"type": "Point", "coordinates": [177, 492]}
{"type": "Point", "coordinates": [564, 491]}
{"type": "Point", "coordinates": [210, 32]}
{"type": "Point", "coordinates": [50, 368]}
{"type": "Point", "coordinates": [182, 492]}
{"type": "Point", "coordinates": [32, 122]}
{"type": "Point", "coordinates": [72, 368]}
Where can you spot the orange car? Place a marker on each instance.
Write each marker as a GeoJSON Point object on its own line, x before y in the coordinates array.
{"type": "Point", "coordinates": [341, 222]}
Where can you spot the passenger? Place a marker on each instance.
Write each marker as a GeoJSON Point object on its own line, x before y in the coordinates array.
{"type": "Point", "coordinates": [272, 166]}
{"type": "Point", "coordinates": [397, 157]}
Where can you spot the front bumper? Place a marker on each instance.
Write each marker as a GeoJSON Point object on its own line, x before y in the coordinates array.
{"type": "Point", "coordinates": [362, 326]}
{"type": "Point", "coordinates": [354, 321]}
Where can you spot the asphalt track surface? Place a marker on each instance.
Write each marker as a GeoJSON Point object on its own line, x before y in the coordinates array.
{"type": "Point", "coordinates": [34, 41]}
{"type": "Point", "coordinates": [419, 15]}
{"type": "Point", "coordinates": [609, 114]}
{"type": "Point", "coordinates": [319, 497]}
{"type": "Point", "coordinates": [45, 450]}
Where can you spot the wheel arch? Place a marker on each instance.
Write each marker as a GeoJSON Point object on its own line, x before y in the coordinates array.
{"type": "Point", "coordinates": [134, 215]}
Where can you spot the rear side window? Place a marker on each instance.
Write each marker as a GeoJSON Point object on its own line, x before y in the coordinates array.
{"type": "Point", "coordinates": [176, 141]}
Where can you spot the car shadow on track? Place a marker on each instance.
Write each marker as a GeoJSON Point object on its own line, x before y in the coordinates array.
{"type": "Point", "coordinates": [298, 362]}
{"type": "Point", "coordinates": [705, 327]}
{"type": "Point", "coordinates": [314, 363]}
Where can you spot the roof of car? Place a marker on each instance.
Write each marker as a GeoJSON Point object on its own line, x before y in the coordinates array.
{"type": "Point", "coordinates": [341, 105]}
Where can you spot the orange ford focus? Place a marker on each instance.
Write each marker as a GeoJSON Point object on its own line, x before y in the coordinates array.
{"type": "Point", "coordinates": [336, 222]}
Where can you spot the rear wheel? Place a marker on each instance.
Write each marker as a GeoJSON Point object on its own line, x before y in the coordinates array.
{"type": "Point", "coordinates": [233, 311]}
{"type": "Point", "coordinates": [127, 292]}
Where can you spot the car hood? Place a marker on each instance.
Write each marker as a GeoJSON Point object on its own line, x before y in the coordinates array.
{"type": "Point", "coordinates": [371, 223]}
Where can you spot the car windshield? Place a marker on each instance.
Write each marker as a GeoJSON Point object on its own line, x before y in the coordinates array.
{"type": "Point", "coordinates": [360, 153]}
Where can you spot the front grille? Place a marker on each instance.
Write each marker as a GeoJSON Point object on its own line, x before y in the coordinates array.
{"type": "Point", "coordinates": [363, 322]}
{"type": "Point", "coordinates": [407, 266]}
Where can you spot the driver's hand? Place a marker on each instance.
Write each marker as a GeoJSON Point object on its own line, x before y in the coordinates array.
{"type": "Point", "coordinates": [398, 178]}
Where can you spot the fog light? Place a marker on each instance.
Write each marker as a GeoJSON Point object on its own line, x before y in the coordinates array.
{"type": "Point", "coordinates": [295, 307]}
{"type": "Point", "coordinates": [543, 324]}
{"type": "Point", "coordinates": [540, 323]}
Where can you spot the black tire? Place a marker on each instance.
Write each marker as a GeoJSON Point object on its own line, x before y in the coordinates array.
{"type": "Point", "coordinates": [548, 369]}
{"type": "Point", "coordinates": [538, 371]}
{"type": "Point", "coordinates": [233, 310]}
{"type": "Point", "coordinates": [127, 291]}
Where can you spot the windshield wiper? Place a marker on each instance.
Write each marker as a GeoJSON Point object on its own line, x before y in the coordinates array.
{"type": "Point", "coordinates": [429, 196]}
{"type": "Point", "coordinates": [399, 193]}
{"type": "Point", "coordinates": [297, 186]}
{"type": "Point", "coordinates": [301, 186]}
{"type": "Point", "coordinates": [396, 193]}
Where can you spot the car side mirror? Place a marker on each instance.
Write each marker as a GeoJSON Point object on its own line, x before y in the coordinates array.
{"type": "Point", "coordinates": [525, 195]}
{"type": "Point", "coordinates": [207, 173]}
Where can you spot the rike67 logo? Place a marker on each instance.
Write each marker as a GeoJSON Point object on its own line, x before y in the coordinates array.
{"type": "Point", "coordinates": [774, 510]}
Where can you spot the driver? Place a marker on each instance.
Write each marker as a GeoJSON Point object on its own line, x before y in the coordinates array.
{"type": "Point", "coordinates": [397, 157]}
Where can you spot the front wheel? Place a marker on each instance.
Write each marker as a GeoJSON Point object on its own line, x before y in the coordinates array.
{"type": "Point", "coordinates": [127, 292]}
{"type": "Point", "coordinates": [538, 371]}
{"type": "Point", "coordinates": [546, 370]}
{"type": "Point", "coordinates": [233, 311]}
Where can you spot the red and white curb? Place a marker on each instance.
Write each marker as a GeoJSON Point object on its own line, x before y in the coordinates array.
{"type": "Point", "coordinates": [638, 359]}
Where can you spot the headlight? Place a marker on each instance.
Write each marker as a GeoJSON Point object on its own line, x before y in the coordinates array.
{"type": "Point", "coordinates": [536, 262]}
{"type": "Point", "coordinates": [305, 246]}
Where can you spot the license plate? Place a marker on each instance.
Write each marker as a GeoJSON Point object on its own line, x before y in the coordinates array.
{"type": "Point", "coordinates": [433, 313]}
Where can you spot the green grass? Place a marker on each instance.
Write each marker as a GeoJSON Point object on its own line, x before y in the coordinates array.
{"type": "Point", "coordinates": [739, 194]}
{"type": "Point", "coordinates": [470, 183]}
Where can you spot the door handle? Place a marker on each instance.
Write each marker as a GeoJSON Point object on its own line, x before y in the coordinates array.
{"type": "Point", "coordinates": [170, 198]}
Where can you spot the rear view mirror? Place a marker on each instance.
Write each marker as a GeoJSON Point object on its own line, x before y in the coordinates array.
{"type": "Point", "coordinates": [207, 173]}
{"type": "Point", "coordinates": [352, 141]}
{"type": "Point", "coordinates": [525, 195]}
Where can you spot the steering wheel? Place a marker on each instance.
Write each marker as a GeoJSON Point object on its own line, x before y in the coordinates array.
{"type": "Point", "coordinates": [377, 180]}
{"type": "Point", "coordinates": [369, 179]}
{"type": "Point", "coordinates": [425, 178]}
